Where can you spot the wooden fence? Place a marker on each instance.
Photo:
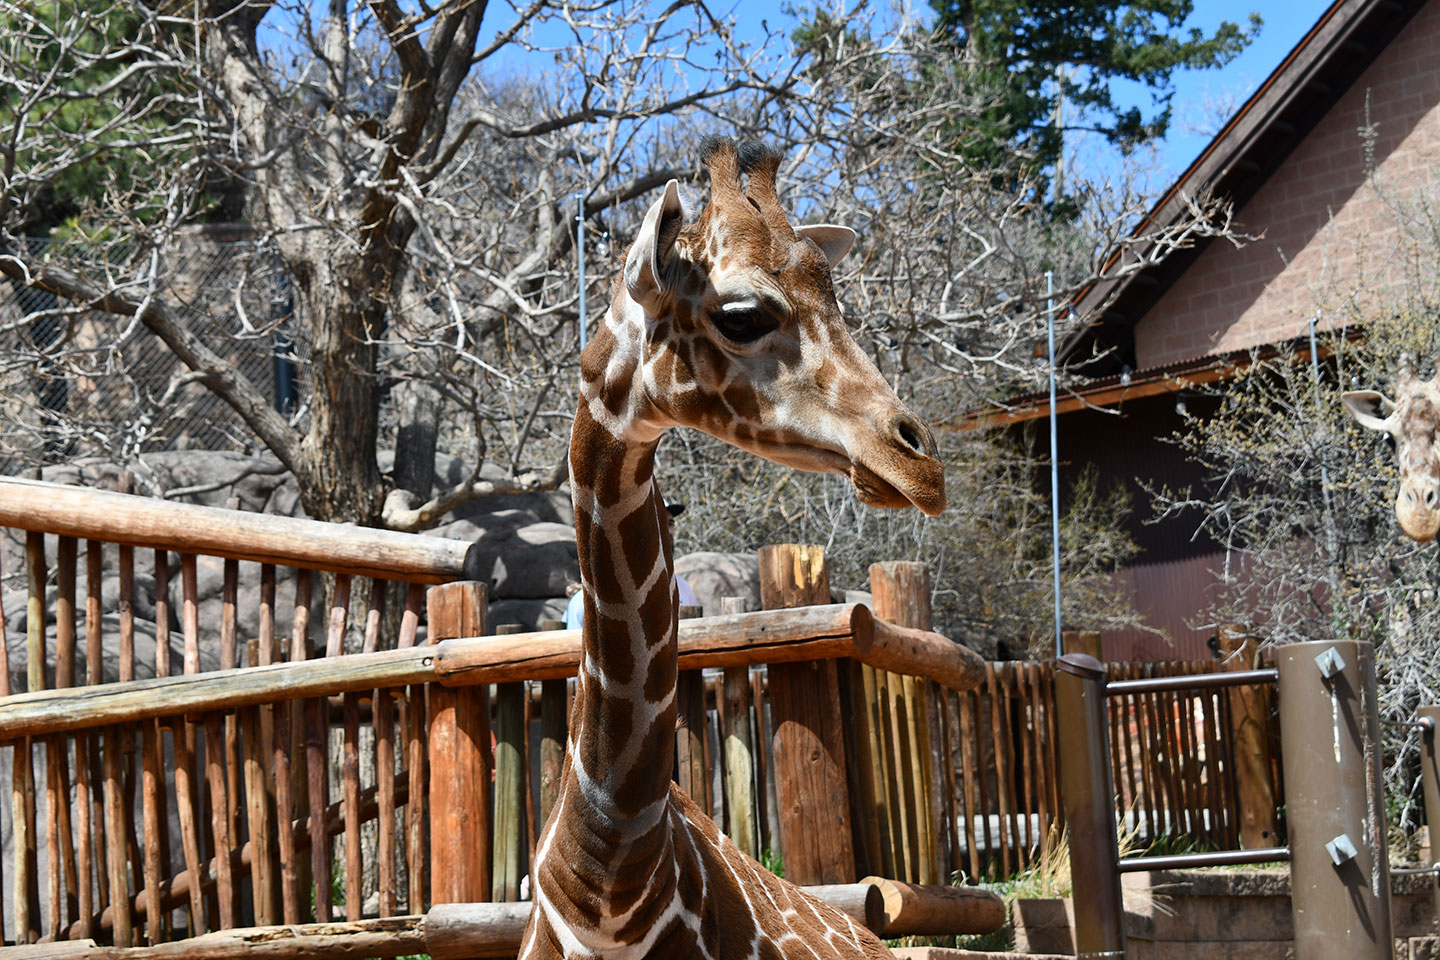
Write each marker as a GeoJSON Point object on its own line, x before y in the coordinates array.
{"type": "Point", "coordinates": [305, 777]}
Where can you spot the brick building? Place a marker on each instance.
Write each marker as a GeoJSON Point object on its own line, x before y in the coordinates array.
{"type": "Point", "coordinates": [1297, 167]}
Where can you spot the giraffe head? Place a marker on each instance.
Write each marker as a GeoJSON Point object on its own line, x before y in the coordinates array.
{"type": "Point", "coordinates": [730, 325]}
{"type": "Point", "coordinates": [1411, 419]}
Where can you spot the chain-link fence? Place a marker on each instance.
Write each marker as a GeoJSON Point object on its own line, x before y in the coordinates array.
{"type": "Point", "coordinates": [80, 382]}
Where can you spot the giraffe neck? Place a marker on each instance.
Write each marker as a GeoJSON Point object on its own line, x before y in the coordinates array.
{"type": "Point", "coordinates": [624, 746]}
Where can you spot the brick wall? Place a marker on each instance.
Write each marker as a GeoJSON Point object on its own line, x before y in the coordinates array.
{"type": "Point", "coordinates": [1327, 232]}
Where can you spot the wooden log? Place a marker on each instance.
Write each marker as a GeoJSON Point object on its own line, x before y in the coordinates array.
{"type": "Point", "coordinates": [459, 756]}
{"type": "Point", "coordinates": [26, 852]}
{"type": "Point", "coordinates": [901, 593]}
{"type": "Point", "coordinates": [889, 847]}
{"type": "Point", "coordinates": [413, 725]}
{"type": "Point", "coordinates": [554, 731]}
{"type": "Point", "coordinates": [455, 931]}
{"type": "Point", "coordinates": [902, 787]}
{"type": "Point", "coordinates": [261, 537]}
{"type": "Point", "coordinates": [809, 751]}
{"type": "Point", "coordinates": [89, 807]}
{"type": "Point", "coordinates": [740, 810]}
{"type": "Point", "coordinates": [691, 771]}
{"type": "Point", "coordinates": [35, 618]}
{"type": "Point", "coordinates": [508, 859]}
{"type": "Point", "coordinates": [772, 636]}
{"type": "Point", "coordinates": [974, 779]}
{"type": "Point", "coordinates": [185, 795]}
{"type": "Point", "coordinates": [115, 815]}
{"type": "Point", "coordinates": [386, 937]}
{"type": "Point", "coordinates": [175, 890]}
{"type": "Point", "coordinates": [1250, 708]}
{"type": "Point", "coordinates": [229, 660]}
{"type": "Point", "coordinates": [459, 931]}
{"type": "Point", "coordinates": [219, 818]}
{"type": "Point", "coordinates": [264, 890]}
{"type": "Point", "coordinates": [152, 798]}
{"type": "Point", "coordinates": [65, 638]}
{"type": "Point", "coordinates": [928, 910]}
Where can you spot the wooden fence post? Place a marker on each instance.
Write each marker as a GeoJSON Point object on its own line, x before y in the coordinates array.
{"type": "Point", "coordinates": [809, 747]}
{"type": "Point", "coordinates": [459, 758]}
{"type": "Point", "coordinates": [1250, 707]}
{"type": "Point", "coordinates": [739, 762]}
{"type": "Point", "coordinates": [554, 730]}
{"type": "Point", "coordinates": [510, 782]}
{"type": "Point", "coordinates": [901, 593]}
{"type": "Point", "coordinates": [691, 770]}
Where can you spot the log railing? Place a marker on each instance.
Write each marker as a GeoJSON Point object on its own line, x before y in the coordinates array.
{"type": "Point", "coordinates": [122, 819]}
{"type": "Point", "coordinates": [280, 772]}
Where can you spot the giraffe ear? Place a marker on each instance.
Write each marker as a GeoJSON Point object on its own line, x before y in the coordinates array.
{"type": "Point", "coordinates": [1370, 408]}
{"type": "Point", "coordinates": [833, 240]}
{"type": "Point", "coordinates": [646, 277]}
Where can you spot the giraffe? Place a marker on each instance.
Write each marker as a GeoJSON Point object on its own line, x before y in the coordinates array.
{"type": "Point", "coordinates": [729, 325]}
{"type": "Point", "coordinates": [1411, 419]}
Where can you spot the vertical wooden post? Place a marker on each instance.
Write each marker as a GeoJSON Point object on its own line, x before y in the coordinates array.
{"type": "Point", "coordinates": [1250, 707]}
{"type": "Point", "coordinates": [1082, 641]}
{"type": "Point", "coordinates": [510, 783]}
{"type": "Point", "coordinates": [691, 771]}
{"type": "Point", "coordinates": [809, 749]}
{"type": "Point", "coordinates": [901, 592]}
{"type": "Point", "coordinates": [739, 761]}
{"type": "Point", "coordinates": [460, 761]}
{"type": "Point", "coordinates": [554, 730]}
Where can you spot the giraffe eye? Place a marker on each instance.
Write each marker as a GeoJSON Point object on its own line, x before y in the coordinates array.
{"type": "Point", "coordinates": [743, 325]}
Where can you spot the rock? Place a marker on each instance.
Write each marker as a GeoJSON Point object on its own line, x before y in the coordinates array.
{"type": "Point", "coordinates": [521, 556]}
{"type": "Point", "coordinates": [528, 613]}
{"type": "Point", "coordinates": [716, 575]}
{"type": "Point", "coordinates": [144, 666]}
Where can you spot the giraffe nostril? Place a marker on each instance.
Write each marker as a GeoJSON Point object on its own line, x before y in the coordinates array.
{"type": "Point", "coordinates": [914, 436]}
{"type": "Point", "coordinates": [1430, 498]}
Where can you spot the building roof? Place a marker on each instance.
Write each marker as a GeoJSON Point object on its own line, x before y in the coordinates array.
{"type": "Point", "coordinates": [1251, 147]}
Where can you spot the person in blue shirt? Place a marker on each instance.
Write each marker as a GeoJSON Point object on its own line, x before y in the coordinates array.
{"type": "Point", "coordinates": [575, 610]}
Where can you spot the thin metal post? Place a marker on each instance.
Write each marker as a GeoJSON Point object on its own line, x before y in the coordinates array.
{"type": "Point", "coordinates": [1088, 794]}
{"type": "Point", "coordinates": [580, 257]}
{"type": "Point", "coordinates": [1054, 460]}
{"type": "Point", "coordinates": [1430, 779]}
{"type": "Point", "coordinates": [1329, 734]}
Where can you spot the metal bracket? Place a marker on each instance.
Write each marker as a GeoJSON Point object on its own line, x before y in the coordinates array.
{"type": "Point", "coordinates": [1341, 849]}
{"type": "Point", "coordinates": [1330, 662]}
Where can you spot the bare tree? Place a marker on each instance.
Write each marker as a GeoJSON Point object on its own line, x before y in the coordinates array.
{"type": "Point", "coordinates": [1302, 499]}
{"type": "Point", "coordinates": [366, 141]}
{"type": "Point", "coordinates": [416, 193]}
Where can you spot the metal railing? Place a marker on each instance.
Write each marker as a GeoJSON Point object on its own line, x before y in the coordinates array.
{"type": "Point", "coordinates": [1329, 732]}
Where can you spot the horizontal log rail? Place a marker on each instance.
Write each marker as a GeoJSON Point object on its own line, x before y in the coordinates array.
{"type": "Point", "coordinates": [771, 636]}
{"type": "Point", "coordinates": [261, 537]}
{"type": "Point", "coordinates": [452, 931]}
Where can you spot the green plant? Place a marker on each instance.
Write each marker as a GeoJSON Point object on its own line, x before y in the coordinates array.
{"type": "Point", "coordinates": [771, 860]}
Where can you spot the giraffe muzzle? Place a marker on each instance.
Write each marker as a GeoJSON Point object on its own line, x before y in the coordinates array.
{"type": "Point", "coordinates": [899, 467]}
{"type": "Point", "coordinates": [1417, 507]}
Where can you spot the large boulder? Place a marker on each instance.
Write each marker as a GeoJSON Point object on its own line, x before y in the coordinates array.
{"type": "Point", "coordinates": [522, 557]}
{"type": "Point", "coordinates": [716, 575]}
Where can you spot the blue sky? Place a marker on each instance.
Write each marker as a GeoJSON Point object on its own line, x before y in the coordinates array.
{"type": "Point", "coordinates": [1199, 93]}
{"type": "Point", "coordinates": [1203, 99]}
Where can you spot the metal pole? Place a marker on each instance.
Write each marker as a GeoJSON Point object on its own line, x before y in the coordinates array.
{"type": "Point", "coordinates": [1088, 794]}
{"type": "Point", "coordinates": [1054, 460]}
{"type": "Point", "coordinates": [1329, 735]}
{"type": "Point", "coordinates": [1430, 780]}
{"type": "Point", "coordinates": [580, 257]}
